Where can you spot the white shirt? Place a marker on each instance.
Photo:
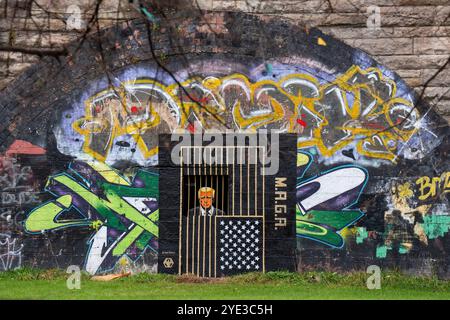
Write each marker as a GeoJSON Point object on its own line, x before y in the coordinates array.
{"type": "Point", "coordinates": [210, 211]}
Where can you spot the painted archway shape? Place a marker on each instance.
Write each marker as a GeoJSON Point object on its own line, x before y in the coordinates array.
{"type": "Point", "coordinates": [372, 161]}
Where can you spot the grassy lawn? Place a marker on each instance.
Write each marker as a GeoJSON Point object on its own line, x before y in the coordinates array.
{"type": "Point", "coordinates": [51, 284]}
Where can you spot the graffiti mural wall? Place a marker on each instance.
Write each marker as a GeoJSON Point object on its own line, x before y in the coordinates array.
{"type": "Point", "coordinates": [80, 171]}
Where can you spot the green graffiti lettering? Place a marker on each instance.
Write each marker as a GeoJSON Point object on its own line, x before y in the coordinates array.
{"type": "Point", "coordinates": [119, 205]}
{"type": "Point", "coordinates": [436, 225]}
{"type": "Point", "coordinates": [135, 233]}
{"type": "Point", "coordinates": [362, 234]}
{"type": "Point", "coordinates": [324, 226]}
{"type": "Point", "coordinates": [44, 217]}
{"type": "Point", "coordinates": [115, 203]}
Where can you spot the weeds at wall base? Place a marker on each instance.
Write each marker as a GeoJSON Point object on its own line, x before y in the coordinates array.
{"type": "Point", "coordinates": [391, 279]}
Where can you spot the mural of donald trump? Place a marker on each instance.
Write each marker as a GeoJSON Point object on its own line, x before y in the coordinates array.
{"type": "Point", "coordinates": [206, 198]}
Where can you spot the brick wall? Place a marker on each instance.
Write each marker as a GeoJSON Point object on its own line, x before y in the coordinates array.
{"type": "Point", "coordinates": [388, 207]}
{"type": "Point", "coordinates": [414, 38]}
{"type": "Point", "coordinates": [43, 24]}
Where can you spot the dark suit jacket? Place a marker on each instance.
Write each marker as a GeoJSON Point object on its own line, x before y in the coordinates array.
{"type": "Point", "coordinates": [198, 211]}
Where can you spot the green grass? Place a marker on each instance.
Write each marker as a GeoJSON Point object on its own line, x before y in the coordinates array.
{"type": "Point", "coordinates": [51, 284]}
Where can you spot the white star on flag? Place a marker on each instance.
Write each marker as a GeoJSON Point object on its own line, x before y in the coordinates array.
{"type": "Point", "coordinates": [239, 243]}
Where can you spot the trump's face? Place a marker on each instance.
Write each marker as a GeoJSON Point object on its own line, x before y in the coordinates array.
{"type": "Point", "coordinates": [206, 198]}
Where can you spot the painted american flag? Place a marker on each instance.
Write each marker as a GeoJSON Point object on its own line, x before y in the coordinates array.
{"type": "Point", "coordinates": [240, 244]}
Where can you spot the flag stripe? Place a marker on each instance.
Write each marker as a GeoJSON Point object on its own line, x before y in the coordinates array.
{"type": "Point", "coordinates": [201, 255]}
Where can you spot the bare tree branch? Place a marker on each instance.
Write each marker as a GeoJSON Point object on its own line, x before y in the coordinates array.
{"type": "Point", "coordinates": [55, 52]}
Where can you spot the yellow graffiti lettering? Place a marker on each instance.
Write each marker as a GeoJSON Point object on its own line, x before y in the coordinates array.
{"type": "Point", "coordinates": [360, 105]}
{"type": "Point", "coordinates": [430, 187]}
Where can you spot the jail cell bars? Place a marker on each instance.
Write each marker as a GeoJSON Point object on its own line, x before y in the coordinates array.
{"type": "Point", "coordinates": [237, 176]}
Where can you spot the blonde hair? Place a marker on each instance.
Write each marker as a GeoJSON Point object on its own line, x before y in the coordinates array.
{"type": "Point", "coordinates": [206, 189]}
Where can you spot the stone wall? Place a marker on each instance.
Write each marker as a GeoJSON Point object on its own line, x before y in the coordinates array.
{"type": "Point", "coordinates": [414, 38]}
{"type": "Point", "coordinates": [82, 174]}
